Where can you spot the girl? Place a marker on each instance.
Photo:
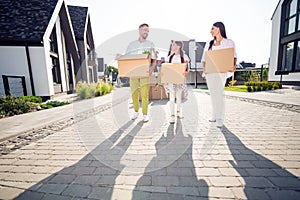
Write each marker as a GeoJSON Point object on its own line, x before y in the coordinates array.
{"type": "Point", "coordinates": [175, 90]}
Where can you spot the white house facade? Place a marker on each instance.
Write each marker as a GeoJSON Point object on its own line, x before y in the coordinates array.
{"type": "Point", "coordinates": [285, 43]}
{"type": "Point", "coordinates": [39, 52]}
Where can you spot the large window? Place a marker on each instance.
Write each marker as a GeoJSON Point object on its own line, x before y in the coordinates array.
{"type": "Point", "coordinates": [290, 17]}
{"type": "Point", "coordinates": [289, 52]}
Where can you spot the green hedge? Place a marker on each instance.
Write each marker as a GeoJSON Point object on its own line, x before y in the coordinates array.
{"type": "Point", "coordinates": [262, 86]}
{"type": "Point", "coordinates": [51, 104]}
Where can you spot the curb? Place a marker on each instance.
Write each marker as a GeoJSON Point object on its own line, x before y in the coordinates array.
{"type": "Point", "coordinates": [283, 106]}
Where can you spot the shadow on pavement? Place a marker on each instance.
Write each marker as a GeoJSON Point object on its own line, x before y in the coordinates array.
{"type": "Point", "coordinates": [263, 178]}
{"type": "Point", "coordinates": [176, 179]}
{"type": "Point", "coordinates": [88, 178]}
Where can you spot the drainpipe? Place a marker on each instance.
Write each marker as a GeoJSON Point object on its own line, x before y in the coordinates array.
{"type": "Point", "coordinates": [29, 69]}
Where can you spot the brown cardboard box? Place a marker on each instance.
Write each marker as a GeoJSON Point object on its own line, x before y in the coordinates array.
{"type": "Point", "coordinates": [134, 65]}
{"type": "Point", "coordinates": [157, 92]}
{"type": "Point", "coordinates": [173, 73]}
{"type": "Point", "coordinates": [221, 60]}
{"type": "Point", "coordinates": [155, 80]}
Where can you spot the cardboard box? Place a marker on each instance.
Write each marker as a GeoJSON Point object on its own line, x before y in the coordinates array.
{"type": "Point", "coordinates": [173, 73]}
{"type": "Point", "coordinates": [221, 60]}
{"type": "Point", "coordinates": [155, 80]}
{"type": "Point", "coordinates": [157, 92]}
{"type": "Point", "coordinates": [134, 65]}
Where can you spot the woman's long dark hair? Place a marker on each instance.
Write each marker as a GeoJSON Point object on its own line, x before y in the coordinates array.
{"type": "Point", "coordinates": [179, 43]}
{"type": "Point", "coordinates": [221, 26]}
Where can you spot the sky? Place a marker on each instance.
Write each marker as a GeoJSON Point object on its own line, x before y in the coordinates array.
{"type": "Point", "coordinates": [248, 23]}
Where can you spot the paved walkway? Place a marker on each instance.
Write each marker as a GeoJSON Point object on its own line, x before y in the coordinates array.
{"type": "Point", "coordinates": [256, 155]}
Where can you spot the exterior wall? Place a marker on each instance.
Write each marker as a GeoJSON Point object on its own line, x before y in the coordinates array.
{"type": "Point", "coordinates": [61, 55]}
{"type": "Point", "coordinates": [82, 74]}
{"type": "Point", "coordinates": [293, 76]}
{"type": "Point", "coordinates": [42, 83]}
{"type": "Point", "coordinates": [275, 44]}
{"type": "Point", "coordinates": [73, 75]}
{"type": "Point", "coordinates": [14, 63]}
{"type": "Point", "coordinates": [48, 66]}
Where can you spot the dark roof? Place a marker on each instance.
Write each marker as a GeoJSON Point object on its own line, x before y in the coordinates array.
{"type": "Point", "coordinates": [26, 20]}
{"type": "Point", "coordinates": [78, 17]}
{"type": "Point", "coordinates": [247, 64]}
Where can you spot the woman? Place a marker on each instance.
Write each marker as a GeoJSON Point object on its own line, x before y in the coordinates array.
{"type": "Point", "coordinates": [175, 90]}
{"type": "Point", "coordinates": [216, 81]}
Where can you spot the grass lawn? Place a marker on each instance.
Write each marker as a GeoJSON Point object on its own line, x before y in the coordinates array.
{"type": "Point", "coordinates": [238, 88]}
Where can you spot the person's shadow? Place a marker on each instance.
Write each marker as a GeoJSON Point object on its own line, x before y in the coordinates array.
{"type": "Point", "coordinates": [91, 177]}
{"type": "Point", "coordinates": [171, 174]}
{"type": "Point", "coordinates": [263, 178]}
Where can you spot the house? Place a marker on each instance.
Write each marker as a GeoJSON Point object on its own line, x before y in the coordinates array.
{"type": "Point", "coordinates": [81, 23]}
{"type": "Point", "coordinates": [38, 50]}
{"type": "Point", "coordinates": [285, 43]}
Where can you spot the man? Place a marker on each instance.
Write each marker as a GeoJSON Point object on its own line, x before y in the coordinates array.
{"type": "Point", "coordinates": [138, 47]}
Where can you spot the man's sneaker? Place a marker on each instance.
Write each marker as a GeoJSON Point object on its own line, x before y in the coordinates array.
{"type": "Point", "coordinates": [219, 123]}
{"type": "Point", "coordinates": [135, 115]}
{"type": "Point", "coordinates": [146, 118]}
{"type": "Point", "coordinates": [172, 120]}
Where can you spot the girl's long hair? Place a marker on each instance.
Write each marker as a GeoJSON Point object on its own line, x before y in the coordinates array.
{"type": "Point", "coordinates": [178, 43]}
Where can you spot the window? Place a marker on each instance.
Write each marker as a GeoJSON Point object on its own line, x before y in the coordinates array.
{"type": "Point", "coordinates": [297, 65]}
{"type": "Point", "coordinates": [290, 17]}
{"type": "Point", "coordinates": [289, 49]}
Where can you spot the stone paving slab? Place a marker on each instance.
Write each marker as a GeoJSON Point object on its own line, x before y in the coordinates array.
{"type": "Point", "coordinates": [108, 156]}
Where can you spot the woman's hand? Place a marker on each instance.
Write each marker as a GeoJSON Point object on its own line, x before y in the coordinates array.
{"type": "Point", "coordinates": [233, 69]}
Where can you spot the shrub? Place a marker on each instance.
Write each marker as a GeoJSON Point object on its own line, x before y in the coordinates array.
{"type": "Point", "coordinates": [231, 83]}
{"type": "Point", "coordinates": [98, 89]}
{"type": "Point", "coordinates": [86, 91]}
{"type": "Point", "coordinates": [51, 104]}
{"type": "Point", "coordinates": [275, 86]}
{"type": "Point", "coordinates": [258, 88]}
{"type": "Point", "coordinates": [110, 86]}
{"type": "Point", "coordinates": [10, 106]}
{"type": "Point", "coordinates": [104, 89]}
{"type": "Point", "coordinates": [32, 99]}
{"type": "Point", "coordinates": [265, 74]}
{"type": "Point", "coordinates": [270, 86]}
{"type": "Point", "coordinates": [263, 85]}
{"type": "Point", "coordinates": [249, 89]}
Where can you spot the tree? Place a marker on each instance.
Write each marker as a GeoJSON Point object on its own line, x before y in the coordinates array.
{"type": "Point", "coordinates": [265, 74]}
